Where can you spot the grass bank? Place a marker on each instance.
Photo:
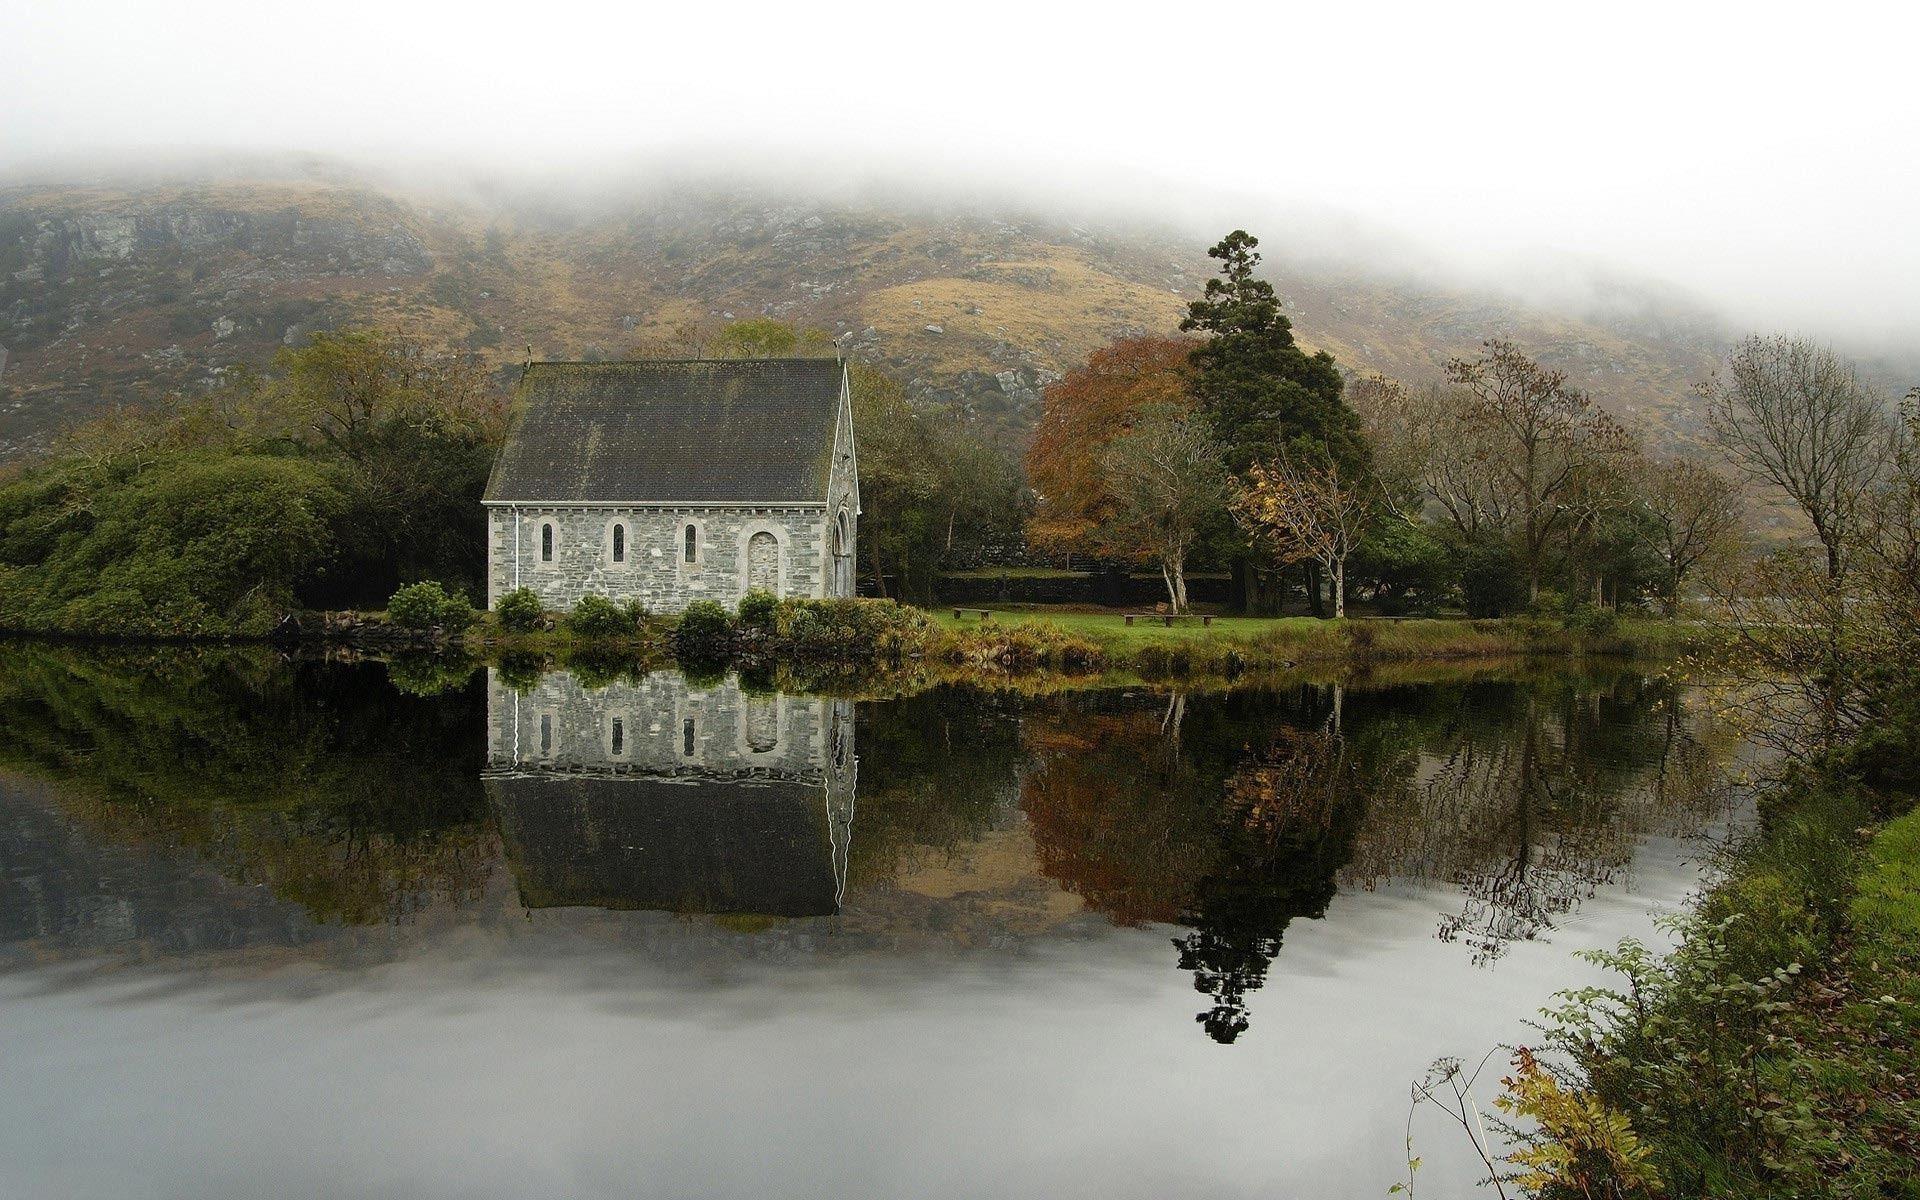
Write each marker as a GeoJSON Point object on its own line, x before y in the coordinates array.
{"type": "Point", "coordinates": [1237, 644]}
{"type": "Point", "coordinates": [1774, 1052]}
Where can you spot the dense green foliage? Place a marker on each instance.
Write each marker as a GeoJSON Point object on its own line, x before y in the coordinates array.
{"type": "Point", "coordinates": [1260, 391]}
{"type": "Point", "coordinates": [704, 632]}
{"type": "Point", "coordinates": [757, 608]}
{"type": "Point", "coordinates": [197, 543]}
{"type": "Point", "coordinates": [598, 617]}
{"type": "Point", "coordinates": [357, 464]}
{"type": "Point", "coordinates": [428, 605]}
{"type": "Point", "coordinates": [520, 610]}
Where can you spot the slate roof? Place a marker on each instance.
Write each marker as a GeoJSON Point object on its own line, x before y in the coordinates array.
{"type": "Point", "coordinates": [703, 432]}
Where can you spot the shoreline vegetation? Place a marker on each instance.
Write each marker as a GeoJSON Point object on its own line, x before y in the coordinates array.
{"type": "Point", "coordinates": [878, 636]}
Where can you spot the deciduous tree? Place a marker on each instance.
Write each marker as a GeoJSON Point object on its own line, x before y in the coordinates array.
{"type": "Point", "coordinates": [1696, 516]}
{"type": "Point", "coordinates": [1305, 511]}
{"type": "Point", "coordinates": [1168, 480]}
{"type": "Point", "coordinates": [1080, 415]}
{"type": "Point", "coordinates": [1795, 415]}
{"type": "Point", "coordinates": [1536, 439]}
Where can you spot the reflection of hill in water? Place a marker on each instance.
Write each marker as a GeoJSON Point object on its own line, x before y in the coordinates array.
{"type": "Point", "coordinates": [665, 795]}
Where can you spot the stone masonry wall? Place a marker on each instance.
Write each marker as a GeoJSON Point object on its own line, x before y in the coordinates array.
{"type": "Point", "coordinates": [655, 571]}
{"type": "Point", "coordinates": [559, 725]}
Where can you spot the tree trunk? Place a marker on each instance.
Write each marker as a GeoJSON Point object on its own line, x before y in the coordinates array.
{"type": "Point", "coordinates": [1339, 588]}
{"type": "Point", "coordinates": [1316, 603]}
{"type": "Point", "coordinates": [1180, 585]}
{"type": "Point", "coordinates": [879, 576]}
{"type": "Point", "coordinates": [1173, 593]}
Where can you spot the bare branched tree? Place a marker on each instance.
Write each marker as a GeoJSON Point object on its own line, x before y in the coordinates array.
{"type": "Point", "coordinates": [1305, 511]}
{"type": "Point", "coordinates": [1536, 436]}
{"type": "Point", "coordinates": [1168, 479]}
{"type": "Point", "coordinates": [1795, 415]}
{"type": "Point", "coordinates": [1696, 514]}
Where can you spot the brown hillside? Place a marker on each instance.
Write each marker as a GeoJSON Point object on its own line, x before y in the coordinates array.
{"type": "Point", "coordinates": [110, 295]}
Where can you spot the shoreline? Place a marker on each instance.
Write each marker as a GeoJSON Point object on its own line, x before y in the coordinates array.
{"type": "Point", "coordinates": [878, 638]}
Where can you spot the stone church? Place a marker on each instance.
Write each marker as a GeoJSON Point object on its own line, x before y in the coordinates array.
{"type": "Point", "coordinates": [668, 482]}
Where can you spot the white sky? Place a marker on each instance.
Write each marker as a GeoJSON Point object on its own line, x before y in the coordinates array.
{"type": "Point", "coordinates": [1766, 157]}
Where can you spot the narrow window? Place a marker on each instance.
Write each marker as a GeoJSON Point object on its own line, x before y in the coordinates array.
{"type": "Point", "coordinates": [546, 543]}
{"type": "Point", "coordinates": [619, 543]}
{"type": "Point", "coordinates": [686, 737]}
{"type": "Point", "coordinates": [690, 543]}
{"type": "Point", "coordinates": [619, 737]}
{"type": "Point", "coordinates": [546, 734]}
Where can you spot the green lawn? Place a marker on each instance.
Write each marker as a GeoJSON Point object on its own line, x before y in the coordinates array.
{"type": "Point", "coordinates": [1112, 628]}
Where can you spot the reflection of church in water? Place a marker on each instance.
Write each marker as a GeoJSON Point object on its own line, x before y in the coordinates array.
{"type": "Point", "coordinates": [672, 796]}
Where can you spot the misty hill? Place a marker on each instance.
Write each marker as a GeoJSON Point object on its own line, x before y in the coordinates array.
{"type": "Point", "coordinates": [121, 294]}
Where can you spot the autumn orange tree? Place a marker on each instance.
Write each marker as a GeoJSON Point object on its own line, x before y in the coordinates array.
{"type": "Point", "coordinates": [1080, 415]}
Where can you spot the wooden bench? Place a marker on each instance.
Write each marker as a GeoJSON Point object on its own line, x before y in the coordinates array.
{"type": "Point", "coordinates": [1166, 618]}
{"type": "Point", "coordinates": [985, 614]}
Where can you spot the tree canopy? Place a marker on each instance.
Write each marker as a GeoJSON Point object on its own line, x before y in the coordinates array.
{"type": "Point", "coordinates": [1261, 392]}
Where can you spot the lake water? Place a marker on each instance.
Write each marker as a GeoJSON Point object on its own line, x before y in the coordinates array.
{"type": "Point", "coordinates": [292, 930]}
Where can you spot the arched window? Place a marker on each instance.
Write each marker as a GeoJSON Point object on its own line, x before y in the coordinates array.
{"type": "Point", "coordinates": [692, 543]}
{"type": "Point", "coordinates": [546, 543]}
{"type": "Point", "coordinates": [619, 738]}
{"type": "Point", "coordinates": [546, 733]}
{"type": "Point", "coordinates": [619, 543]}
{"type": "Point", "coordinates": [686, 737]}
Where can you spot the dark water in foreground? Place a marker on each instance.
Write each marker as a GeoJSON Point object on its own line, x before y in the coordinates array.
{"type": "Point", "coordinates": [291, 931]}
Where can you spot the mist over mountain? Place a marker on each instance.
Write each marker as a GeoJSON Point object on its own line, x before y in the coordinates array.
{"type": "Point", "coordinates": [119, 289]}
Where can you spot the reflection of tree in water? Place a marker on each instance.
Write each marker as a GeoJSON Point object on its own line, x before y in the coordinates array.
{"type": "Point", "coordinates": [1289, 818]}
{"type": "Point", "coordinates": [1235, 815]}
{"type": "Point", "coordinates": [320, 783]}
{"type": "Point", "coordinates": [1223, 815]}
{"type": "Point", "coordinates": [1533, 820]}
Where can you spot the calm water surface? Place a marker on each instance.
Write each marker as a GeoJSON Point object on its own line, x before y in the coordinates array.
{"type": "Point", "coordinates": [303, 930]}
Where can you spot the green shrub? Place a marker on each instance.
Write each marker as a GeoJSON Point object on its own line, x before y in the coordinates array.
{"type": "Point", "coordinates": [1591, 620]}
{"type": "Point", "coordinates": [758, 609]}
{"type": "Point", "coordinates": [427, 605]}
{"type": "Point", "coordinates": [705, 632]}
{"type": "Point", "coordinates": [850, 628]}
{"type": "Point", "coordinates": [520, 610]}
{"type": "Point", "coordinates": [598, 617]}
